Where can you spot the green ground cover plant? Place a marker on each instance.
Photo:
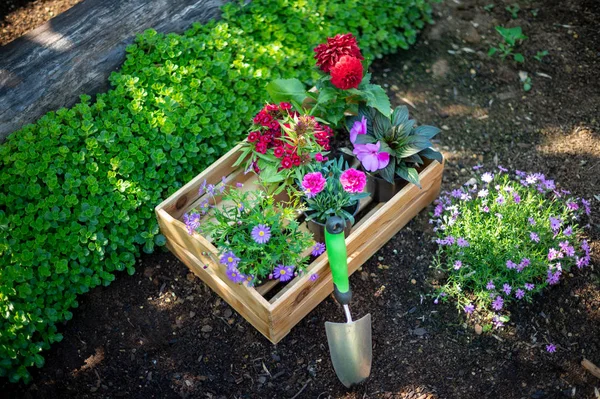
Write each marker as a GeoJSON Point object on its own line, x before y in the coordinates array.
{"type": "Point", "coordinates": [78, 187]}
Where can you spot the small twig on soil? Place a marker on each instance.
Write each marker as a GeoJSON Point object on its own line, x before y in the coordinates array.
{"type": "Point", "coordinates": [591, 367]}
{"type": "Point", "coordinates": [302, 389]}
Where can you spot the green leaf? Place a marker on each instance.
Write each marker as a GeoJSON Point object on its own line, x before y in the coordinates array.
{"type": "Point", "coordinates": [400, 115]}
{"type": "Point", "coordinates": [387, 173]}
{"type": "Point", "coordinates": [427, 131]}
{"type": "Point", "coordinates": [409, 174]}
{"type": "Point", "coordinates": [431, 154]}
{"type": "Point", "coordinates": [365, 139]}
{"type": "Point", "coordinates": [326, 95]}
{"type": "Point", "coordinates": [413, 145]}
{"type": "Point", "coordinates": [519, 57]}
{"type": "Point", "coordinates": [376, 97]}
{"type": "Point", "coordinates": [492, 51]}
{"type": "Point", "coordinates": [286, 90]}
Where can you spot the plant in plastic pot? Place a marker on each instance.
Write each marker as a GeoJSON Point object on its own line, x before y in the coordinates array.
{"type": "Point", "coordinates": [391, 148]}
{"type": "Point", "coordinates": [331, 188]}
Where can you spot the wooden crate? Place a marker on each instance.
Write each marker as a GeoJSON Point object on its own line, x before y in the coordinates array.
{"type": "Point", "coordinates": [276, 316]}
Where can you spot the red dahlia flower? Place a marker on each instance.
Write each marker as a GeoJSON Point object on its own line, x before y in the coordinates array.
{"type": "Point", "coordinates": [347, 73]}
{"type": "Point", "coordinates": [328, 54]}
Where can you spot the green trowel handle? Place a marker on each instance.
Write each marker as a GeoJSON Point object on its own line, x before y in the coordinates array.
{"type": "Point", "coordinates": [338, 258]}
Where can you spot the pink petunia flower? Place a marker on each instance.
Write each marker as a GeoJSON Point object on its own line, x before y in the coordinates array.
{"type": "Point", "coordinates": [370, 156]}
{"type": "Point", "coordinates": [353, 180]}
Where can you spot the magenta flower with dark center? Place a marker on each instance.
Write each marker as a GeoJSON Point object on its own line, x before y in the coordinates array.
{"type": "Point", "coordinates": [573, 206]}
{"type": "Point", "coordinates": [283, 273]}
{"type": "Point", "coordinates": [261, 234]}
{"type": "Point", "coordinates": [456, 193]}
{"type": "Point", "coordinates": [510, 264]}
{"type": "Point", "coordinates": [500, 200]}
{"type": "Point", "coordinates": [359, 127]}
{"type": "Point", "coordinates": [553, 278]}
{"type": "Point", "coordinates": [229, 259]}
{"type": "Point", "coordinates": [516, 198]}
{"type": "Point", "coordinates": [371, 157]}
{"type": "Point", "coordinates": [318, 249]}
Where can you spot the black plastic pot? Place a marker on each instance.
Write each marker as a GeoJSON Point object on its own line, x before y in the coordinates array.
{"type": "Point", "coordinates": [382, 190]}
{"type": "Point", "coordinates": [318, 229]}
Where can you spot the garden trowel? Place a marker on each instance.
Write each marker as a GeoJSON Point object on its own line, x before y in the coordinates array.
{"type": "Point", "coordinates": [350, 343]}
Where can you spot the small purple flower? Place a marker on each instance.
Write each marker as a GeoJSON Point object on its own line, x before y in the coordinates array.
{"type": "Point", "coordinates": [500, 200]}
{"type": "Point", "coordinates": [516, 198]}
{"type": "Point", "coordinates": [553, 278]}
{"type": "Point", "coordinates": [439, 209]}
{"type": "Point", "coordinates": [483, 193]}
{"type": "Point", "coordinates": [502, 169]}
{"type": "Point", "coordinates": [314, 277]}
{"type": "Point", "coordinates": [568, 231]}
{"type": "Point", "coordinates": [554, 254]}
{"type": "Point", "coordinates": [457, 265]}
{"type": "Point", "coordinates": [529, 286]}
{"type": "Point", "coordinates": [229, 259]}
{"type": "Point", "coordinates": [469, 308]}
{"type": "Point", "coordinates": [210, 189]}
{"type": "Point", "coordinates": [450, 240]}
{"type": "Point", "coordinates": [498, 303]}
{"type": "Point", "coordinates": [477, 167]}
{"type": "Point", "coordinates": [582, 262]}
{"type": "Point", "coordinates": [531, 221]}
{"type": "Point", "coordinates": [283, 273]}
{"type": "Point", "coordinates": [586, 206]}
{"type": "Point", "coordinates": [572, 205]}
{"type": "Point", "coordinates": [204, 206]}
{"type": "Point", "coordinates": [497, 322]}
{"type": "Point", "coordinates": [192, 222]}
{"type": "Point", "coordinates": [235, 275]}
{"type": "Point", "coordinates": [461, 242]}
{"type": "Point", "coordinates": [487, 177]}
{"type": "Point", "coordinates": [510, 264]}
{"type": "Point", "coordinates": [555, 223]}
{"type": "Point", "coordinates": [507, 289]}
{"type": "Point", "coordinates": [524, 263]}
{"type": "Point", "coordinates": [456, 193]}
{"type": "Point", "coordinates": [490, 285]}
{"type": "Point", "coordinates": [519, 293]}
{"type": "Point", "coordinates": [550, 348]}
{"type": "Point", "coordinates": [520, 173]}
{"type": "Point", "coordinates": [318, 249]}
{"type": "Point", "coordinates": [261, 234]}
{"type": "Point", "coordinates": [534, 237]}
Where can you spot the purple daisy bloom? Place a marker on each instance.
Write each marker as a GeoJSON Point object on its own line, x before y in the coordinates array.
{"type": "Point", "coordinates": [502, 169]}
{"type": "Point", "coordinates": [483, 193]}
{"type": "Point", "coordinates": [498, 303]}
{"type": "Point", "coordinates": [500, 200]}
{"type": "Point", "coordinates": [516, 198]}
{"type": "Point", "coordinates": [572, 205]}
{"type": "Point", "coordinates": [283, 273]}
{"type": "Point", "coordinates": [487, 177]}
{"type": "Point", "coordinates": [456, 193]}
{"type": "Point", "coordinates": [235, 275]}
{"type": "Point", "coordinates": [568, 231]}
{"type": "Point", "coordinates": [531, 179]}
{"type": "Point", "coordinates": [318, 249]}
{"type": "Point", "coordinates": [457, 265]}
{"type": "Point", "coordinates": [490, 285]}
{"type": "Point", "coordinates": [477, 167]}
{"type": "Point", "coordinates": [469, 308]}
{"type": "Point", "coordinates": [497, 322]}
{"type": "Point", "coordinates": [586, 206]}
{"type": "Point", "coordinates": [553, 278]}
{"type": "Point", "coordinates": [554, 254]}
{"type": "Point", "coordinates": [510, 264]}
{"type": "Point", "coordinates": [529, 286]}
{"type": "Point", "coordinates": [534, 237]}
{"type": "Point", "coordinates": [261, 234]}
{"type": "Point", "coordinates": [507, 289]}
{"type": "Point", "coordinates": [229, 259]}
{"type": "Point", "coordinates": [314, 277]}
{"type": "Point", "coordinates": [192, 222]}
{"type": "Point", "coordinates": [519, 293]}
{"type": "Point", "coordinates": [550, 348]}
{"type": "Point", "coordinates": [531, 221]}
{"type": "Point", "coordinates": [554, 223]}
{"type": "Point", "coordinates": [461, 242]}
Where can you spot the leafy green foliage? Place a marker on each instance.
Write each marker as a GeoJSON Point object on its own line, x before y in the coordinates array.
{"type": "Point", "coordinates": [510, 36]}
{"type": "Point", "coordinates": [77, 188]}
{"type": "Point", "coordinates": [406, 143]}
{"type": "Point", "coordinates": [513, 10]}
{"type": "Point", "coordinates": [505, 238]}
{"type": "Point", "coordinates": [539, 56]}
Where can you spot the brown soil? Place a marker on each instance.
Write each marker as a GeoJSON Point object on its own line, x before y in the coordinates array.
{"type": "Point", "coordinates": [18, 17]}
{"type": "Point", "coordinates": [163, 334]}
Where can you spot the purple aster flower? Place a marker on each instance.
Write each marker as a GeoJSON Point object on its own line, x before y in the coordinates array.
{"type": "Point", "coordinates": [585, 247]}
{"type": "Point", "coordinates": [582, 262]}
{"type": "Point", "coordinates": [500, 200]}
{"type": "Point", "coordinates": [192, 222]}
{"type": "Point", "coordinates": [469, 308]}
{"type": "Point", "coordinates": [498, 303]}
{"type": "Point", "coordinates": [240, 207]}
{"type": "Point", "coordinates": [554, 254]}
{"type": "Point", "coordinates": [549, 184]}
{"type": "Point", "coordinates": [524, 263]}
{"type": "Point", "coordinates": [202, 188]}
{"type": "Point", "coordinates": [555, 223]}
{"type": "Point", "coordinates": [314, 277]}
{"type": "Point", "coordinates": [572, 205]}
{"type": "Point", "coordinates": [283, 273]}
{"type": "Point", "coordinates": [550, 348]}
{"type": "Point", "coordinates": [531, 221]}
{"type": "Point", "coordinates": [497, 321]}
{"type": "Point", "coordinates": [531, 179]}
{"type": "Point", "coordinates": [229, 259]}
{"type": "Point", "coordinates": [486, 209]}
{"type": "Point", "coordinates": [529, 286]}
{"type": "Point", "coordinates": [457, 265]}
{"type": "Point", "coordinates": [519, 293]}
{"type": "Point", "coordinates": [235, 275]}
{"type": "Point", "coordinates": [507, 289]}
{"type": "Point", "coordinates": [456, 193]}
{"type": "Point", "coordinates": [477, 167]}
{"type": "Point", "coordinates": [502, 169]}
{"type": "Point", "coordinates": [487, 177]}
{"type": "Point", "coordinates": [318, 249]}
{"type": "Point", "coordinates": [568, 231]}
{"type": "Point", "coordinates": [534, 237]}
{"type": "Point", "coordinates": [210, 189]}
{"type": "Point", "coordinates": [450, 240]}
{"type": "Point", "coordinates": [520, 173]}
{"type": "Point", "coordinates": [510, 264]}
{"type": "Point", "coordinates": [483, 193]}
{"type": "Point", "coordinates": [586, 206]}
{"type": "Point", "coordinates": [516, 198]}
{"type": "Point", "coordinates": [439, 209]}
{"type": "Point", "coordinates": [490, 285]}
{"type": "Point", "coordinates": [261, 234]}
{"type": "Point", "coordinates": [461, 242]}
{"type": "Point", "coordinates": [204, 206]}
{"type": "Point", "coordinates": [553, 278]}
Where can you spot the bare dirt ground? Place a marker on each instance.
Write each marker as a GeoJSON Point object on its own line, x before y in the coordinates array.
{"type": "Point", "coordinates": [163, 334]}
